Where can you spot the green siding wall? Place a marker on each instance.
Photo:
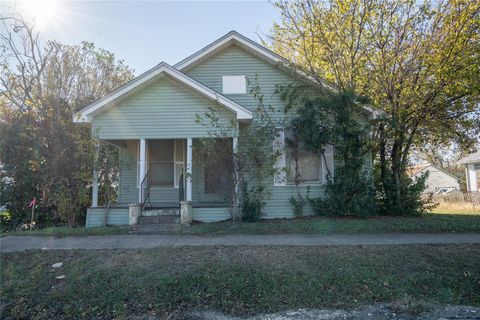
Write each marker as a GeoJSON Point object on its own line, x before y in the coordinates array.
{"type": "Point", "coordinates": [116, 216]}
{"type": "Point", "coordinates": [165, 109]}
{"type": "Point", "coordinates": [119, 216]}
{"type": "Point", "coordinates": [211, 214]}
{"type": "Point", "coordinates": [278, 204]}
{"type": "Point", "coordinates": [236, 61]}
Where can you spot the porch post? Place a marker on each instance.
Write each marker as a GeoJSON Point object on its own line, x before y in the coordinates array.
{"type": "Point", "coordinates": [189, 170]}
{"type": "Point", "coordinates": [467, 175]}
{"type": "Point", "coordinates": [471, 178]}
{"type": "Point", "coordinates": [235, 167]}
{"type": "Point", "coordinates": [95, 189]}
{"type": "Point", "coordinates": [95, 178]}
{"type": "Point", "coordinates": [142, 167]}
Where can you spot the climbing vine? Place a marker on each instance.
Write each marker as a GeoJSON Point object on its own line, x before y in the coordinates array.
{"type": "Point", "coordinates": [335, 119]}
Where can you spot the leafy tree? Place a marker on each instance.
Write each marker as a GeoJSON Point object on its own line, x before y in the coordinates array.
{"type": "Point", "coordinates": [417, 61]}
{"type": "Point", "coordinates": [42, 152]}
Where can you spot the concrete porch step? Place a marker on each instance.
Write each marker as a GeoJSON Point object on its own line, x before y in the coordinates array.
{"type": "Point", "coordinates": [161, 219]}
{"type": "Point", "coordinates": [163, 228]}
{"type": "Point", "coordinates": [152, 211]}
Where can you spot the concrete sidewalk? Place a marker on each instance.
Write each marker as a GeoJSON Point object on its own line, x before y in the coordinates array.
{"type": "Point", "coordinates": [21, 243]}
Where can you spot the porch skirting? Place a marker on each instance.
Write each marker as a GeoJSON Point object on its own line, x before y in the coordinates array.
{"type": "Point", "coordinates": [119, 215]}
{"type": "Point", "coordinates": [116, 216]}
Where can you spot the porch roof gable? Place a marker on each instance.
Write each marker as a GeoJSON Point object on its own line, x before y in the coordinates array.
{"type": "Point", "coordinates": [86, 114]}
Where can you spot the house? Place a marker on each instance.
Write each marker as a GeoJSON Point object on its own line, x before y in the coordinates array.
{"type": "Point", "coordinates": [438, 181]}
{"type": "Point", "coordinates": [472, 170]}
{"type": "Point", "coordinates": [152, 120]}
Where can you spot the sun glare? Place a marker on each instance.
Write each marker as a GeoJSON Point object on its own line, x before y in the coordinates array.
{"type": "Point", "coordinates": [43, 12]}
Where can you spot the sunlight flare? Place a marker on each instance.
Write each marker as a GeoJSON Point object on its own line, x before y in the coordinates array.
{"type": "Point", "coordinates": [43, 12]}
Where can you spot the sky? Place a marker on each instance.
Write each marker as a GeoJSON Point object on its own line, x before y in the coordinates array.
{"type": "Point", "coordinates": [144, 33]}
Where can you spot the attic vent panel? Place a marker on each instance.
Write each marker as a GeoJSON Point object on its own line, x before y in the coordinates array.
{"type": "Point", "coordinates": [234, 84]}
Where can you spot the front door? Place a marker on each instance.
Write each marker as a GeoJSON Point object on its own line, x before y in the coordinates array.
{"type": "Point", "coordinates": [166, 162]}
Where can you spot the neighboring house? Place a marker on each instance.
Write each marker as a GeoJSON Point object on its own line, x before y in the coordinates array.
{"type": "Point", "coordinates": [472, 170]}
{"type": "Point", "coordinates": [438, 181]}
{"type": "Point", "coordinates": [152, 120]}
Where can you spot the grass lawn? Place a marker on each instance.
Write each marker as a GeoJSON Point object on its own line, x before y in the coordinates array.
{"type": "Point", "coordinates": [433, 223]}
{"type": "Point", "coordinates": [68, 232]}
{"type": "Point", "coordinates": [236, 280]}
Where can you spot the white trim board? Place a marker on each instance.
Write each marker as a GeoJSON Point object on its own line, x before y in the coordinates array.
{"type": "Point", "coordinates": [85, 115]}
{"type": "Point", "coordinates": [230, 37]}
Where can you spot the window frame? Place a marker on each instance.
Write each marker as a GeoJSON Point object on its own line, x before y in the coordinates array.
{"type": "Point", "coordinates": [280, 179]}
{"type": "Point", "coordinates": [305, 183]}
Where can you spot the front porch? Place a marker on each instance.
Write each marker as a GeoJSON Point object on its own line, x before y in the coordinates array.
{"type": "Point", "coordinates": [160, 173]}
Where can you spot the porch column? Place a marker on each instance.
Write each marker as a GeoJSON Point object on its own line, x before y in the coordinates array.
{"type": "Point", "coordinates": [142, 168]}
{"type": "Point", "coordinates": [189, 170]}
{"type": "Point", "coordinates": [235, 166]}
{"type": "Point", "coordinates": [471, 177]}
{"type": "Point", "coordinates": [95, 189]}
{"type": "Point", "coordinates": [95, 178]}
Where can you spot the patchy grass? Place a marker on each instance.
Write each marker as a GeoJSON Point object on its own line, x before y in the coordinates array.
{"type": "Point", "coordinates": [457, 208]}
{"type": "Point", "coordinates": [237, 280]}
{"type": "Point", "coordinates": [68, 232]}
{"type": "Point", "coordinates": [430, 223]}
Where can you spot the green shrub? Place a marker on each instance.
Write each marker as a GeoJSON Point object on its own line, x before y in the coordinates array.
{"type": "Point", "coordinates": [411, 202]}
{"type": "Point", "coordinates": [5, 220]}
{"type": "Point", "coordinates": [298, 204]}
{"type": "Point", "coordinates": [346, 199]}
{"type": "Point", "coordinates": [251, 204]}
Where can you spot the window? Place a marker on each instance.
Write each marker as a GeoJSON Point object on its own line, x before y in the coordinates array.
{"type": "Point", "coordinates": [234, 84]}
{"type": "Point", "coordinates": [308, 162]}
{"type": "Point", "coordinates": [313, 167]}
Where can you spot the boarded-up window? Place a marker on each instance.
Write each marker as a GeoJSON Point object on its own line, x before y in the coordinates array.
{"type": "Point", "coordinates": [234, 84]}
